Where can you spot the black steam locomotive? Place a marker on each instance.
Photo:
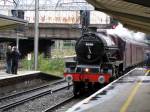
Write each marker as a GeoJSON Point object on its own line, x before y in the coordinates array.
{"type": "Point", "coordinates": [100, 58]}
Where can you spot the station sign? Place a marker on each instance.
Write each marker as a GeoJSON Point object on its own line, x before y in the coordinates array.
{"type": "Point", "coordinates": [29, 57]}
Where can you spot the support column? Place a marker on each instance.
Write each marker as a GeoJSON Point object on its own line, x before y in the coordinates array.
{"type": "Point", "coordinates": [36, 36]}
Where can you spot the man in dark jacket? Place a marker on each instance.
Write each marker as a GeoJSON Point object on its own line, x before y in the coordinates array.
{"type": "Point", "coordinates": [15, 59]}
{"type": "Point", "coordinates": [8, 60]}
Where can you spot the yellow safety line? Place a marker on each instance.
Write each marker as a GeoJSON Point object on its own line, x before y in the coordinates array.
{"type": "Point", "coordinates": [131, 96]}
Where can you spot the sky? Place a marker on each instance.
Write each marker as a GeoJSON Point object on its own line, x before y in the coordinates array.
{"type": "Point", "coordinates": [51, 2]}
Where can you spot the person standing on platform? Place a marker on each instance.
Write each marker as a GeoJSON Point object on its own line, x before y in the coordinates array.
{"type": "Point", "coordinates": [15, 59]}
{"type": "Point", "coordinates": [8, 60]}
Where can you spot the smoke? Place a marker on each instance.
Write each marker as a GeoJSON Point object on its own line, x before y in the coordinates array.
{"type": "Point", "coordinates": [129, 36]}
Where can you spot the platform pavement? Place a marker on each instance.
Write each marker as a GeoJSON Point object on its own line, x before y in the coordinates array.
{"type": "Point", "coordinates": [130, 93]}
{"type": "Point", "coordinates": [4, 75]}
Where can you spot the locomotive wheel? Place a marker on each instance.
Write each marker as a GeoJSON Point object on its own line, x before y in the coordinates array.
{"type": "Point", "coordinates": [76, 89]}
{"type": "Point", "coordinates": [120, 69]}
{"type": "Point", "coordinates": [111, 79]}
{"type": "Point", "coordinates": [117, 75]}
{"type": "Point", "coordinates": [90, 87]}
{"type": "Point", "coordinates": [120, 73]}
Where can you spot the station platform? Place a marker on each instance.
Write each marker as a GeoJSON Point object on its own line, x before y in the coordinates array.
{"type": "Point", "coordinates": [4, 75]}
{"type": "Point", "coordinates": [129, 93]}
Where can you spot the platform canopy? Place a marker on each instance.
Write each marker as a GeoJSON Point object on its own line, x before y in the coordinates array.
{"type": "Point", "coordinates": [134, 14]}
{"type": "Point", "coordinates": [7, 22]}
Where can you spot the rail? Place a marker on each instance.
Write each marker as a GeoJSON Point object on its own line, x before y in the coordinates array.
{"type": "Point", "coordinates": [59, 104]}
{"type": "Point", "coordinates": [33, 94]}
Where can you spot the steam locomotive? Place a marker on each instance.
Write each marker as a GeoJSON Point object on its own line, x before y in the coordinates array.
{"type": "Point", "coordinates": [100, 58]}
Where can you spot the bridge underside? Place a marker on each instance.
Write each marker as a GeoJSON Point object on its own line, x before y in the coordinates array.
{"type": "Point", "coordinates": [60, 31]}
{"type": "Point", "coordinates": [51, 31]}
{"type": "Point", "coordinates": [134, 14]}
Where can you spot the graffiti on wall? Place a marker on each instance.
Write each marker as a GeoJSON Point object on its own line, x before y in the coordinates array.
{"type": "Point", "coordinates": [67, 17]}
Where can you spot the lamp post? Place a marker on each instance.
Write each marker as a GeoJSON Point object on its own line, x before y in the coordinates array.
{"type": "Point", "coordinates": [36, 36]}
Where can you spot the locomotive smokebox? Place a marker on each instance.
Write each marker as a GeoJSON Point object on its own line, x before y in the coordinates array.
{"type": "Point", "coordinates": [90, 48]}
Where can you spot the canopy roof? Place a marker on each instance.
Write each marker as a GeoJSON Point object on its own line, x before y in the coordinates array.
{"type": "Point", "coordinates": [134, 14]}
{"type": "Point", "coordinates": [10, 22]}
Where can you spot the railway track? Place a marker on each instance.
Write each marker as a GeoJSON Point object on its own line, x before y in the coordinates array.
{"type": "Point", "coordinates": [13, 100]}
{"type": "Point", "coordinates": [37, 93]}
{"type": "Point", "coordinates": [33, 89]}
{"type": "Point", "coordinates": [50, 109]}
{"type": "Point", "coordinates": [65, 104]}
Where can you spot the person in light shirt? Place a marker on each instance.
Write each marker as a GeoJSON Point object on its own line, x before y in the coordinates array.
{"type": "Point", "coordinates": [8, 60]}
